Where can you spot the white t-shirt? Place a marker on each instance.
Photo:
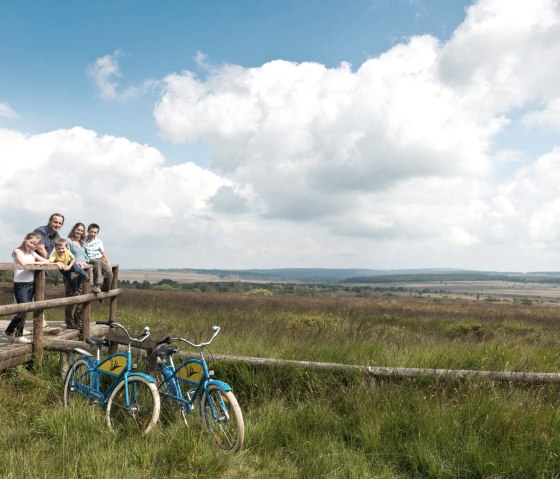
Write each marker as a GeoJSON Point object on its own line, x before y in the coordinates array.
{"type": "Point", "coordinates": [25, 275]}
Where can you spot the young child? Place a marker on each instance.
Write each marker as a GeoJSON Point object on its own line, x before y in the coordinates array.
{"type": "Point", "coordinates": [24, 283]}
{"type": "Point", "coordinates": [61, 254]}
{"type": "Point", "coordinates": [97, 256]}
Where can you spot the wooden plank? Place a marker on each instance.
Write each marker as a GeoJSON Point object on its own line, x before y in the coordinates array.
{"type": "Point", "coordinates": [55, 303]}
{"type": "Point", "coordinates": [15, 355]}
{"type": "Point", "coordinates": [388, 372]}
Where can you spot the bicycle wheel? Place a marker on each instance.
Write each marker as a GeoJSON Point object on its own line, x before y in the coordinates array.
{"type": "Point", "coordinates": [142, 411]}
{"type": "Point", "coordinates": [78, 378]}
{"type": "Point", "coordinates": [171, 407]}
{"type": "Point", "coordinates": [222, 415]}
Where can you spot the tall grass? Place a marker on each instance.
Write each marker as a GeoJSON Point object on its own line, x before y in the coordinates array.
{"type": "Point", "coordinates": [304, 424]}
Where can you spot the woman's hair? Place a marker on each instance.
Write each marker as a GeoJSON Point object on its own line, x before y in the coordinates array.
{"type": "Point", "coordinates": [72, 233]}
{"type": "Point", "coordinates": [28, 236]}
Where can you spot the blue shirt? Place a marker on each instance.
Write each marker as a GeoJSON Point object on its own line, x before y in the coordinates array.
{"type": "Point", "coordinates": [46, 239]}
{"type": "Point", "coordinates": [79, 252]}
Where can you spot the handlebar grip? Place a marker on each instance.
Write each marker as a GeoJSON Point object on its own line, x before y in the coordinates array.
{"type": "Point", "coordinates": [166, 340]}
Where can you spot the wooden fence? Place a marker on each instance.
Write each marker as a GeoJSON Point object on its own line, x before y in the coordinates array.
{"type": "Point", "coordinates": [40, 304]}
{"type": "Point", "coordinates": [64, 346]}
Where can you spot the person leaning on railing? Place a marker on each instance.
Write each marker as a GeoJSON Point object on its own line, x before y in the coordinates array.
{"type": "Point", "coordinates": [24, 284]}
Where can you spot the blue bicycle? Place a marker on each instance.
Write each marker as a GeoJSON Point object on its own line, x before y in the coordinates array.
{"type": "Point", "coordinates": [131, 398]}
{"type": "Point", "coordinates": [190, 383]}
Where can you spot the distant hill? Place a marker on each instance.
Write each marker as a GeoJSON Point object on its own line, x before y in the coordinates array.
{"type": "Point", "coordinates": [329, 275]}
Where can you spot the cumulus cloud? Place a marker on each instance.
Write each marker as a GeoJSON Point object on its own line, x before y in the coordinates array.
{"type": "Point", "coordinates": [401, 147]}
{"type": "Point", "coordinates": [392, 163]}
{"type": "Point", "coordinates": [122, 185]}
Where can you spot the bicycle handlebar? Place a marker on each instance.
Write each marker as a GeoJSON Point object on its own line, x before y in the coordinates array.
{"type": "Point", "coordinates": [112, 324]}
{"type": "Point", "coordinates": [169, 339]}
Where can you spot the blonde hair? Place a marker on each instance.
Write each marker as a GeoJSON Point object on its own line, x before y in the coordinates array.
{"type": "Point", "coordinates": [28, 236]}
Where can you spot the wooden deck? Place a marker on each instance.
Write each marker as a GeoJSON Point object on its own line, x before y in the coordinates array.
{"type": "Point", "coordinates": [13, 354]}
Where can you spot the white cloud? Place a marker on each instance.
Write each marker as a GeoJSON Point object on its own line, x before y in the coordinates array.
{"type": "Point", "coordinates": [549, 117]}
{"type": "Point", "coordinates": [6, 111]}
{"type": "Point", "coordinates": [393, 164]}
{"type": "Point", "coordinates": [105, 72]}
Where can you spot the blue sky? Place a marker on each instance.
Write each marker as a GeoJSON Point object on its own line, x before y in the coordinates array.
{"type": "Point", "coordinates": [47, 47]}
{"type": "Point", "coordinates": [373, 134]}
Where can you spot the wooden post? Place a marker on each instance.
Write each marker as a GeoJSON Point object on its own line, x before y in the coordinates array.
{"type": "Point", "coordinates": [38, 315]}
{"type": "Point", "coordinates": [63, 364]}
{"type": "Point", "coordinates": [86, 288]}
{"type": "Point", "coordinates": [113, 300]}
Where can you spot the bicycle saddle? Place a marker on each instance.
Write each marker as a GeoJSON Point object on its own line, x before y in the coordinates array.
{"type": "Point", "coordinates": [166, 351]}
{"type": "Point", "coordinates": [95, 341]}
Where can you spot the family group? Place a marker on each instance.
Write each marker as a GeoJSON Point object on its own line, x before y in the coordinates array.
{"type": "Point", "coordinates": [71, 255]}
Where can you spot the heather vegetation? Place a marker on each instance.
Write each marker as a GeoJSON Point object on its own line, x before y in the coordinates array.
{"type": "Point", "coordinates": [318, 424]}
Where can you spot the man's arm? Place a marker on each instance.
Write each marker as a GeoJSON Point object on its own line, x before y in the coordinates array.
{"type": "Point", "coordinates": [41, 250]}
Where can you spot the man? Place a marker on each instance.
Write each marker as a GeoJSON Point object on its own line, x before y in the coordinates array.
{"type": "Point", "coordinates": [49, 234]}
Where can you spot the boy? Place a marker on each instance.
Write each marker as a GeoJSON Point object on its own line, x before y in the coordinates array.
{"type": "Point", "coordinates": [97, 256]}
{"type": "Point", "coordinates": [63, 255]}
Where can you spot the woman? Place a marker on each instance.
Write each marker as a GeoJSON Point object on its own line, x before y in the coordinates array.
{"type": "Point", "coordinates": [73, 317]}
{"type": "Point", "coordinates": [24, 283]}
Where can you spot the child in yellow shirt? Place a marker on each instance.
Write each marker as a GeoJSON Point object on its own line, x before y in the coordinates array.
{"type": "Point", "coordinates": [63, 255]}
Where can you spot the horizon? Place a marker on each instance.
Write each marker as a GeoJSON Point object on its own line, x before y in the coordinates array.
{"type": "Point", "coordinates": [373, 134]}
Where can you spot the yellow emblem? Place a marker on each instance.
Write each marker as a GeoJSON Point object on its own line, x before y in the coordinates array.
{"type": "Point", "coordinates": [114, 365]}
{"type": "Point", "coordinates": [191, 371]}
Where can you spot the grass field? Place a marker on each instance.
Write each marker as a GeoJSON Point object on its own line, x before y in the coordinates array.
{"type": "Point", "coordinates": [304, 424]}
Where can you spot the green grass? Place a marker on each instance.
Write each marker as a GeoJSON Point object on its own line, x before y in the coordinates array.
{"type": "Point", "coordinates": [302, 424]}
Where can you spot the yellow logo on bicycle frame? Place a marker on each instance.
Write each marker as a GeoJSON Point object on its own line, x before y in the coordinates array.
{"type": "Point", "coordinates": [191, 371]}
{"type": "Point", "coordinates": [114, 365]}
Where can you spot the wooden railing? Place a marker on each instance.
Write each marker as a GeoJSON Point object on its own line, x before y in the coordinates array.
{"type": "Point", "coordinates": [40, 303]}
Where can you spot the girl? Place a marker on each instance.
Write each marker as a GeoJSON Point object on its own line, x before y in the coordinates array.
{"type": "Point", "coordinates": [24, 285]}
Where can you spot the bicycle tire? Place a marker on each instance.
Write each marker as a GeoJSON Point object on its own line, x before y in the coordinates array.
{"type": "Point", "coordinates": [143, 412]}
{"type": "Point", "coordinates": [227, 429]}
{"type": "Point", "coordinates": [82, 374]}
{"type": "Point", "coordinates": [171, 408]}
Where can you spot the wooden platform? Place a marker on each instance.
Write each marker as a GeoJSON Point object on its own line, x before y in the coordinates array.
{"type": "Point", "coordinates": [14, 354]}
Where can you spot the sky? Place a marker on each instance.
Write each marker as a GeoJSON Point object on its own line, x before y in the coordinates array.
{"type": "Point", "coordinates": [379, 134]}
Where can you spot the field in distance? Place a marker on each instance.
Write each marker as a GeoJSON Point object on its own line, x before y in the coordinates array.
{"type": "Point", "coordinates": [155, 276]}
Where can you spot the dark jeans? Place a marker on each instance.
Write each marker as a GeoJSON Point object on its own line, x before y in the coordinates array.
{"type": "Point", "coordinates": [71, 281]}
{"type": "Point", "coordinates": [24, 294]}
{"type": "Point", "coordinates": [73, 313]}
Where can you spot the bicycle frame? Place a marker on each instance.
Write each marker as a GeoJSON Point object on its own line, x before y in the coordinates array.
{"type": "Point", "coordinates": [117, 366]}
{"type": "Point", "coordinates": [191, 381]}
{"type": "Point", "coordinates": [191, 375]}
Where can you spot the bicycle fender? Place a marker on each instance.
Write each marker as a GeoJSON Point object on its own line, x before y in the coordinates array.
{"type": "Point", "coordinates": [220, 384]}
{"type": "Point", "coordinates": [143, 375]}
{"type": "Point", "coordinates": [81, 352]}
